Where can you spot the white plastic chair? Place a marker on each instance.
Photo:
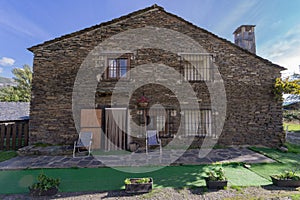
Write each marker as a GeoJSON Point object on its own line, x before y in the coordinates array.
{"type": "Point", "coordinates": [84, 142]}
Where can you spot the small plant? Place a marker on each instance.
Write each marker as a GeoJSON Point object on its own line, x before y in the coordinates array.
{"type": "Point", "coordinates": [138, 185]}
{"type": "Point", "coordinates": [127, 181]}
{"type": "Point", "coordinates": [44, 183]}
{"type": "Point", "coordinates": [140, 180]}
{"type": "Point", "coordinates": [143, 180]}
{"type": "Point", "coordinates": [288, 175]}
{"type": "Point", "coordinates": [216, 174]}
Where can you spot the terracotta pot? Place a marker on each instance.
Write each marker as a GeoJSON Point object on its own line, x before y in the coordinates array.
{"type": "Point", "coordinates": [138, 187]}
{"type": "Point", "coordinates": [285, 183]}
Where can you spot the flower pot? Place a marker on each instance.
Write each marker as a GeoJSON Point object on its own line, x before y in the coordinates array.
{"type": "Point", "coordinates": [215, 184]}
{"type": "Point", "coordinates": [285, 183]}
{"type": "Point", "coordinates": [133, 147]}
{"type": "Point", "coordinates": [138, 187]}
{"type": "Point", "coordinates": [39, 192]}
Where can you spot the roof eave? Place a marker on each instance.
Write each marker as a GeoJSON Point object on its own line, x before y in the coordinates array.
{"type": "Point", "coordinates": [132, 14]}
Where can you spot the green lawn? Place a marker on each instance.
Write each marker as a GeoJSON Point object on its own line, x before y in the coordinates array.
{"type": "Point", "coordinates": [101, 179]}
{"type": "Point", "coordinates": [292, 127]}
{"type": "Point", "coordinates": [286, 161]}
{"type": "Point", "coordinates": [6, 155]}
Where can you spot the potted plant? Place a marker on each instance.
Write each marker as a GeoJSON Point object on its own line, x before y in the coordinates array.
{"type": "Point", "coordinates": [216, 178]}
{"type": "Point", "coordinates": [143, 101]}
{"type": "Point", "coordinates": [286, 179]}
{"type": "Point", "coordinates": [138, 185]}
{"type": "Point", "coordinates": [46, 186]}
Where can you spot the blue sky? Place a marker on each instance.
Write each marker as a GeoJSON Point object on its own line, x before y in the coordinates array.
{"type": "Point", "coordinates": [29, 22]}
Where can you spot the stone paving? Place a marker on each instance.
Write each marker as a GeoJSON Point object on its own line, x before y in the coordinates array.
{"type": "Point", "coordinates": [168, 157]}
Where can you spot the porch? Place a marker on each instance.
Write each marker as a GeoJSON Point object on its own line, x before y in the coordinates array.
{"type": "Point", "coordinates": [188, 157]}
{"type": "Point", "coordinates": [121, 128]}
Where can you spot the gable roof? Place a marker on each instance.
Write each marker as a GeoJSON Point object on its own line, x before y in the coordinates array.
{"type": "Point", "coordinates": [13, 111]}
{"type": "Point", "coordinates": [139, 12]}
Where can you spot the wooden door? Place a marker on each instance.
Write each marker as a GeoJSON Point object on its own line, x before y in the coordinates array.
{"type": "Point", "coordinates": [91, 121]}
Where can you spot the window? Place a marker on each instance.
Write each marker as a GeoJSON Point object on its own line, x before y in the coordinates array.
{"type": "Point", "coordinates": [197, 67]}
{"type": "Point", "coordinates": [117, 68]}
{"type": "Point", "coordinates": [197, 122]}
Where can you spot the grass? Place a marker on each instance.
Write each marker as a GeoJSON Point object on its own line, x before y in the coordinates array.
{"type": "Point", "coordinates": [295, 196]}
{"type": "Point", "coordinates": [293, 148]}
{"type": "Point", "coordinates": [291, 127]}
{"type": "Point", "coordinates": [103, 179]}
{"type": "Point", "coordinates": [286, 161]}
{"type": "Point", "coordinates": [186, 176]}
{"type": "Point", "coordinates": [6, 155]}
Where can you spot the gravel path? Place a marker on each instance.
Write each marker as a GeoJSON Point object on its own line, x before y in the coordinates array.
{"type": "Point", "coordinates": [268, 192]}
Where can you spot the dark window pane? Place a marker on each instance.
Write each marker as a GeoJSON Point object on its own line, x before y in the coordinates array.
{"type": "Point", "coordinates": [123, 62]}
{"type": "Point", "coordinates": [123, 71]}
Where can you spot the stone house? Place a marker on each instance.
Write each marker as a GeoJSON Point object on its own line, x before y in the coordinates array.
{"type": "Point", "coordinates": [196, 85]}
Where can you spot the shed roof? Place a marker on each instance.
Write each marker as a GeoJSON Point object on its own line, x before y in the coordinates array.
{"type": "Point", "coordinates": [14, 111]}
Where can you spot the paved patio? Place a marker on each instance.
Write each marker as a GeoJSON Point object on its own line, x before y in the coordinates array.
{"type": "Point", "coordinates": [168, 157]}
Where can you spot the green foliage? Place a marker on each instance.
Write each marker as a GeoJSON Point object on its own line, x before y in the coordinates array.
{"type": "Point", "coordinates": [216, 174]}
{"type": "Point", "coordinates": [286, 86]}
{"type": "Point", "coordinates": [293, 148]}
{"type": "Point", "coordinates": [141, 180]}
{"type": "Point", "coordinates": [45, 183]}
{"type": "Point", "coordinates": [21, 92]}
{"type": "Point", "coordinates": [288, 175]}
{"type": "Point", "coordinates": [127, 181]}
{"type": "Point", "coordinates": [295, 196]}
{"type": "Point", "coordinates": [6, 155]}
{"type": "Point", "coordinates": [290, 115]}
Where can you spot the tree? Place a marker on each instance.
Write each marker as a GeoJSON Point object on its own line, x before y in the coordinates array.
{"type": "Point", "coordinates": [21, 92]}
{"type": "Point", "coordinates": [287, 87]}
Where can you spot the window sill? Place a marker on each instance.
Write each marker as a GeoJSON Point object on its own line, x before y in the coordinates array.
{"type": "Point", "coordinates": [115, 80]}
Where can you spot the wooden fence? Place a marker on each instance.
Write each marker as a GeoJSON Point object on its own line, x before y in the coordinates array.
{"type": "Point", "coordinates": [13, 135]}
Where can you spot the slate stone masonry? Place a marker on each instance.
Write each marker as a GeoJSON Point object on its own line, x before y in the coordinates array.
{"type": "Point", "coordinates": [254, 116]}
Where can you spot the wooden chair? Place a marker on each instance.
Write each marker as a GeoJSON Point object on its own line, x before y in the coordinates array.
{"type": "Point", "coordinates": [83, 143]}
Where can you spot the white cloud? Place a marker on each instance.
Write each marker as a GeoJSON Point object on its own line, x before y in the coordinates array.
{"type": "Point", "coordinates": [285, 50]}
{"type": "Point", "coordinates": [4, 61]}
{"type": "Point", "coordinates": [1, 70]}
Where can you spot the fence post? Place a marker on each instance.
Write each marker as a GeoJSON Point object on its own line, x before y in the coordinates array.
{"type": "Point", "coordinates": [2, 132]}
{"type": "Point", "coordinates": [26, 127]}
{"type": "Point", "coordinates": [20, 127]}
{"type": "Point", "coordinates": [8, 131]}
{"type": "Point", "coordinates": [13, 135]}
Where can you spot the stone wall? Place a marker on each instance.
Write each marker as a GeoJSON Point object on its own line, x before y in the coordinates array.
{"type": "Point", "coordinates": [253, 116]}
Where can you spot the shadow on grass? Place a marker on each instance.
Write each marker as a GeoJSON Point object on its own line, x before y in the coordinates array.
{"type": "Point", "coordinates": [274, 188]}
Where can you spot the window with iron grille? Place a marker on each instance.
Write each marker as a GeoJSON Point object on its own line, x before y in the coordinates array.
{"type": "Point", "coordinates": [117, 68]}
{"type": "Point", "coordinates": [197, 67]}
{"type": "Point", "coordinates": [198, 122]}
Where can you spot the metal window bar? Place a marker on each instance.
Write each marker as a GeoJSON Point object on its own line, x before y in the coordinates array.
{"type": "Point", "coordinates": [197, 67]}
{"type": "Point", "coordinates": [198, 122]}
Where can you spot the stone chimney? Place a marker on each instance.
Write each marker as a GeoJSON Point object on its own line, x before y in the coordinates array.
{"type": "Point", "coordinates": [244, 37]}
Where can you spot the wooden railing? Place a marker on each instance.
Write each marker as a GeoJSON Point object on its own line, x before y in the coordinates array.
{"type": "Point", "coordinates": [13, 134]}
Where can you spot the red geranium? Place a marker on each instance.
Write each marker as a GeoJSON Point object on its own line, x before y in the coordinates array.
{"type": "Point", "coordinates": [143, 99]}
